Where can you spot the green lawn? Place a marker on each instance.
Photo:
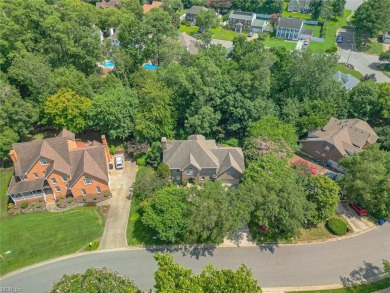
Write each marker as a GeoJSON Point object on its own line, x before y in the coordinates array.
{"type": "Point", "coordinates": [32, 238]}
{"type": "Point", "coordinates": [294, 14]}
{"type": "Point", "coordinates": [365, 288]}
{"type": "Point", "coordinates": [222, 34]}
{"type": "Point", "coordinates": [372, 47]}
{"type": "Point", "coordinates": [277, 42]}
{"type": "Point", "coordinates": [316, 29]}
{"type": "Point", "coordinates": [345, 70]}
{"type": "Point", "coordinates": [330, 38]}
{"type": "Point", "coordinates": [189, 30]}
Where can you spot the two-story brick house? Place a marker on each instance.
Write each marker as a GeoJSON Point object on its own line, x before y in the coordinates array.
{"type": "Point", "coordinates": [241, 20]}
{"type": "Point", "coordinates": [58, 166]}
{"type": "Point", "coordinates": [198, 159]}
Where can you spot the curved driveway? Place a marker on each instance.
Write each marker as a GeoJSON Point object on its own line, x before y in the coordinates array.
{"type": "Point", "coordinates": [335, 262]}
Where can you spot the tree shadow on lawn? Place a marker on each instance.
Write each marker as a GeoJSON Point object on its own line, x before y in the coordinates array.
{"type": "Point", "coordinates": [368, 272]}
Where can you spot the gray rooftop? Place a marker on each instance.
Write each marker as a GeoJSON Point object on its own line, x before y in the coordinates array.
{"type": "Point", "coordinates": [196, 9]}
{"type": "Point", "coordinates": [348, 80]}
{"type": "Point", "coordinates": [258, 23]}
{"type": "Point", "coordinates": [242, 15]}
{"type": "Point", "coordinates": [294, 23]}
{"type": "Point", "coordinates": [308, 32]}
{"type": "Point", "coordinates": [190, 43]}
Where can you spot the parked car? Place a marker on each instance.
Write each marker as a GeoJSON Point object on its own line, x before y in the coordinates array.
{"type": "Point", "coordinates": [358, 209]}
{"type": "Point", "coordinates": [250, 34]}
{"type": "Point", "coordinates": [339, 39]}
{"type": "Point", "coordinates": [119, 162]}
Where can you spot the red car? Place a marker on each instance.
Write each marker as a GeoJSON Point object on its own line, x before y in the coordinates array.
{"type": "Point", "coordinates": [359, 210]}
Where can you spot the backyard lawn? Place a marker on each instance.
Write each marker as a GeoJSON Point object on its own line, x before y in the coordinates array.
{"type": "Point", "coordinates": [355, 73]}
{"type": "Point", "coordinates": [222, 34]}
{"type": "Point", "coordinates": [189, 30]}
{"type": "Point", "coordinates": [372, 46]}
{"type": "Point", "coordinates": [32, 238]}
{"type": "Point", "coordinates": [277, 42]}
{"type": "Point", "coordinates": [294, 14]}
{"type": "Point", "coordinates": [316, 29]}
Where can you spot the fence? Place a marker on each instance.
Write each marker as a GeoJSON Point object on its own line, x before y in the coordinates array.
{"type": "Point", "coordinates": [315, 39]}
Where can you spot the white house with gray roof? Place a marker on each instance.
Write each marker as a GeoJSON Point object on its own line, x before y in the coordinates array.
{"type": "Point", "coordinates": [301, 6]}
{"type": "Point", "coordinates": [289, 28]}
{"type": "Point", "coordinates": [198, 159]}
{"type": "Point", "coordinates": [241, 20]}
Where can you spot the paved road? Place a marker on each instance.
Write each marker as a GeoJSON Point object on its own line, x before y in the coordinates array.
{"type": "Point", "coordinates": [114, 235]}
{"type": "Point", "coordinates": [337, 262]}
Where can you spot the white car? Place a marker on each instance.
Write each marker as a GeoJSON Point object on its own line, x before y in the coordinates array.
{"type": "Point", "coordinates": [119, 162]}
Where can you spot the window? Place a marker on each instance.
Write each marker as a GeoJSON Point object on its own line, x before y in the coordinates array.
{"type": "Point", "coordinates": [36, 175]}
{"type": "Point", "coordinates": [58, 189]}
{"type": "Point", "coordinates": [190, 171]}
{"type": "Point", "coordinates": [98, 189]}
{"type": "Point", "coordinates": [64, 178]}
{"type": "Point", "coordinates": [43, 161]}
{"type": "Point", "coordinates": [230, 172]}
{"type": "Point", "coordinates": [87, 180]}
{"type": "Point", "coordinates": [83, 192]}
{"type": "Point", "coordinates": [53, 180]}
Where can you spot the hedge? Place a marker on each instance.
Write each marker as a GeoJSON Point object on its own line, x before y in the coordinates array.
{"type": "Point", "coordinates": [337, 226]}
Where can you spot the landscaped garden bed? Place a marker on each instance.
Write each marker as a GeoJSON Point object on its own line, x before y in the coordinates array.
{"type": "Point", "coordinates": [93, 198]}
{"type": "Point", "coordinates": [27, 207]}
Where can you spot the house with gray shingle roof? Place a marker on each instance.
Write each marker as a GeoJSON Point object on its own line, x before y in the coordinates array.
{"type": "Point", "coordinates": [190, 43]}
{"type": "Point", "coordinates": [193, 12]}
{"type": "Point", "coordinates": [241, 20]}
{"type": "Point", "coordinates": [198, 159]}
{"type": "Point", "coordinates": [58, 166]}
{"type": "Point", "coordinates": [289, 28]}
{"type": "Point", "coordinates": [338, 138]}
{"type": "Point", "coordinates": [347, 80]}
{"type": "Point", "coordinates": [301, 6]}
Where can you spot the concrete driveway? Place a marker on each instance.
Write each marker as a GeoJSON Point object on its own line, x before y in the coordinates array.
{"type": "Point", "coordinates": [114, 235]}
{"type": "Point", "coordinates": [357, 223]}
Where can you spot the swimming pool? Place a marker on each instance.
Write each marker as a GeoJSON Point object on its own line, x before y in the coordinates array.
{"type": "Point", "coordinates": [150, 66]}
{"type": "Point", "coordinates": [109, 63]}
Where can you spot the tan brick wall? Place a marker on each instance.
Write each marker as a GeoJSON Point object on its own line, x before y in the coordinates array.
{"type": "Point", "coordinates": [89, 188]}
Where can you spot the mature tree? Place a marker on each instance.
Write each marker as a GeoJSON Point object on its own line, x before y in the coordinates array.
{"type": "Point", "coordinates": [385, 56]}
{"type": "Point", "coordinates": [113, 112]}
{"type": "Point", "coordinates": [172, 51]}
{"type": "Point", "coordinates": [154, 154]}
{"type": "Point", "coordinates": [172, 5]}
{"type": "Point", "coordinates": [163, 171]}
{"type": "Point", "coordinates": [71, 78]}
{"type": "Point", "coordinates": [171, 277]}
{"type": "Point", "coordinates": [386, 266]}
{"type": "Point", "coordinates": [7, 138]}
{"type": "Point", "coordinates": [132, 6]}
{"type": "Point", "coordinates": [95, 280]}
{"type": "Point", "coordinates": [371, 17]}
{"type": "Point", "coordinates": [338, 7]}
{"type": "Point", "coordinates": [383, 101]}
{"type": "Point", "coordinates": [323, 193]}
{"type": "Point", "coordinates": [271, 6]}
{"type": "Point", "coordinates": [274, 197]}
{"type": "Point", "coordinates": [166, 214]}
{"type": "Point", "coordinates": [66, 109]}
{"type": "Point", "coordinates": [367, 180]}
{"type": "Point", "coordinates": [364, 101]}
{"type": "Point", "coordinates": [316, 7]}
{"type": "Point", "coordinates": [274, 19]}
{"type": "Point", "coordinates": [213, 213]}
{"type": "Point", "coordinates": [154, 118]}
{"type": "Point", "coordinates": [384, 137]}
{"type": "Point", "coordinates": [33, 77]}
{"type": "Point", "coordinates": [274, 129]}
{"type": "Point", "coordinates": [207, 19]}
{"type": "Point", "coordinates": [260, 146]}
{"type": "Point", "coordinates": [147, 183]}
{"type": "Point", "coordinates": [157, 27]}
{"type": "Point", "coordinates": [16, 113]}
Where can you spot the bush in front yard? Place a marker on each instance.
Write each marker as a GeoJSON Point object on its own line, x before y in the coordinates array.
{"type": "Point", "coordinates": [24, 205]}
{"type": "Point", "coordinates": [10, 205]}
{"type": "Point", "coordinates": [141, 161]}
{"type": "Point", "coordinates": [337, 226]}
{"type": "Point", "coordinates": [94, 245]}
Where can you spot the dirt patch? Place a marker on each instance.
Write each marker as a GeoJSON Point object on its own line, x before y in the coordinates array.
{"type": "Point", "coordinates": [386, 47]}
{"type": "Point", "coordinates": [104, 210]}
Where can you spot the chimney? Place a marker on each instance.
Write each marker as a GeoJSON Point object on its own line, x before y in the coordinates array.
{"type": "Point", "coordinates": [164, 143]}
{"type": "Point", "coordinates": [104, 140]}
{"type": "Point", "coordinates": [14, 157]}
{"type": "Point", "coordinates": [106, 150]}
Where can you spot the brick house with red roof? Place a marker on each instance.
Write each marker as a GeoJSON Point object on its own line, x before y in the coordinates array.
{"type": "Point", "coordinates": [58, 166]}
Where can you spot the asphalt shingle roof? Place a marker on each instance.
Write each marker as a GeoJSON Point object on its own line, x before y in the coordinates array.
{"type": "Point", "coordinates": [294, 23]}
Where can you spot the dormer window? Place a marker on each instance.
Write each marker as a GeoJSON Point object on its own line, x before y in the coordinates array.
{"type": "Point", "coordinates": [190, 171]}
{"type": "Point", "coordinates": [87, 180]}
{"type": "Point", "coordinates": [43, 161]}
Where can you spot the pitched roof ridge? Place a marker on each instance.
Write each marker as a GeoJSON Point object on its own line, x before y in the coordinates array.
{"type": "Point", "coordinates": [88, 157]}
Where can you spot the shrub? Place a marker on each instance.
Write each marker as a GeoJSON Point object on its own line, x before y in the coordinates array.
{"type": "Point", "coordinates": [84, 198]}
{"type": "Point", "coordinates": [57, 200]}
{"type": "Point", "coordinates": [41, 200]}
{"type": "Point", "coordinates": [183, 22]}
{"type": "Point", "coordinates": [58, 204]}
{"type": "Point", "coordinates": [10, 205]}
{"type": "Point", "coordinates": [112, 149]}
{"type": "Point", "coordinates": [69, 200]}
{"type": "Point", "coordinates": [337, 226]}
{"type": "Point", "coordinates": [332, 49]}
{"type": "Point", "coordinates": [106, 194]}
{"type": "Point", "coordinates": [38, 206]}
{"type": "Point", "coordinates": [29, 210]}
{"type": "Point", "coordinates": [16, 213]}
{"type": "Point", "coordinates": [95, 198]}
{"type": "Point", "coordinates": [33, 204]}
{"type": "Point", "coordinates": [233, 142]}
{"type": "Point", "coordinates": [62, 196]}
{"type": "Point", "coordinates": [24, 205]}
{"type": "Point", "coordinates": [94, 245]}
{"type": "Point", "coordinates": [141, 161]}
{"type": "Point", "coordinates": [323, 30]}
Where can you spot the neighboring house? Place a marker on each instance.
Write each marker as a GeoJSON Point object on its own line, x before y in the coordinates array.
{"type": "Point", "coordinates": [258, 25]}
{"type": "Point", "coordinates": [301, 6]}
{"type": "Point", "coordinates": [193, 12]}
{"type": "Point", "coordinates": [198, 159]}
{"type": "Point", "coordinates": [347, 80]}
{"type": "Point", "coordinates": [337, 139]}
{"type": "Point", "coordinates": [190, 43]}
{"type": "Point", "coordinates": [386, 37]}
{"type": "Point", "coordinates": [113, 38]}
{"type": "Point", "coordinates": [108, 4]}
{"type": "Point", "coordinates": [148, 7]}
{"type": "Point", "coordinates": [58, 166]}
{"type": "Point", "coordinates": [289, 28]}
{"type": "Point", "coordinates": [240, 20]}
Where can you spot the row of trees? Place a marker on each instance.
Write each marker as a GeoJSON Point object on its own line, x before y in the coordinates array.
{"type": "Point", "coordinates": [169, 277]}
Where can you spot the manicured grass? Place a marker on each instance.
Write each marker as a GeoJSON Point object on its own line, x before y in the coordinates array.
{"type": "Point", "coordinates": [220, 33]}
{"type": "Point", "coordinates": [346, 70]}
{"type": "Point", "coordinates": [365, 288]}
{"type": "Point", "coordinates": [32, 238]}
{"type": "Point", "coordinates": [372, 47]}
{"type": "Point", "coordinates": [277, 42]}
{"type": "Point", "coordinates": [316, 29]}
{"type": "Point", "coordinates": [294, 14]}
{"type": "Point", "coordinates": [189, 30]}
